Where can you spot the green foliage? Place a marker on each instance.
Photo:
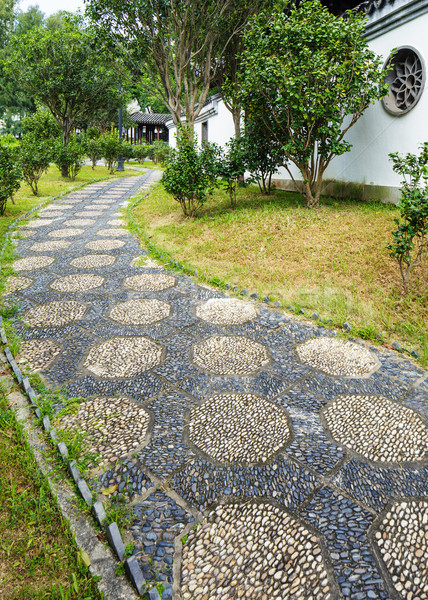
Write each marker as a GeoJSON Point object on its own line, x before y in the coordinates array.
{"type": "Point", "coordinates": [263, 155]}
{"type": "Point", "coordinates": [111, 148]}
{"type": "Point", "coordinates": [127, 151]}
{"type": "Point", "coordinates": [41, 124]}
{"type": "Point", "coordinates": [35, 152]}
{"type": "Point", "coordinates": [231, 167]}
{"type": "Point", "coordinates": [10, 173]}
{"type": "Point", "coordinates": [190, 176]}
{"type": "Point", "coordinates": [141, 152]}
{"type": "Point", "coordinates": [159, 152]}
{"type": "Point", "coordinates": [69, 158]}
{"type": "Point", "coordinates": [410, 244]}
{"type": "Point", "coordinates": [92, 145]}
{"type": "Point", "coordinates": [64, 69]}
{"type": "Point", "coordinates": [307, 77]}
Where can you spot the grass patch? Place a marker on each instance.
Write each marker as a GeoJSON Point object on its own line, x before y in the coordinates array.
{"type": "Point", "coordinates": [38, 557]}
{"type": "Point", "coordinates": [332, 260]}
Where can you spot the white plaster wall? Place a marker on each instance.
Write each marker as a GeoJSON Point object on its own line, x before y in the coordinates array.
{"type": "Point", "coordinates": [378, 133]}
{"type": "Point", "coordinates": [220, 125]}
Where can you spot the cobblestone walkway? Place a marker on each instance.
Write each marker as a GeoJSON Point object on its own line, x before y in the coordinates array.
{"type": "Point", "coordinates": [303, 457]}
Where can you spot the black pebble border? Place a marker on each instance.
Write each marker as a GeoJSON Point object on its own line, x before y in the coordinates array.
{"type": "Point", "coordinates": [132, 568]}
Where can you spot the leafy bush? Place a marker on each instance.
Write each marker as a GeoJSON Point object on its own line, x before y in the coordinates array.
{"type": "Point", "coordinates": [263, 155]}
{"type": "Point", "coordinates": [191, 176]}
{"type": "Point", "coordinates": [69, 158]}
{"type": "Point", "coordinates": [410, 245]}
{"type": "Point", "coordinates": [111, 148]}
{"type": "Point", "coordinates": [10, 173]}
{"type": "Point", "coordinates": [34, 156]}
{"type": "Point", "coordinates": [128, 151]}
{"type": "Point", "coordinates": [160, 152]}
{"type": "Point", "coordinates": [232, 167]}
{"type": "Point", "coordinates": [92, 145]}
{"type": "Point", "coordinates": [141, 152]}
{"type": "Point", "coordinates": [41, 124]}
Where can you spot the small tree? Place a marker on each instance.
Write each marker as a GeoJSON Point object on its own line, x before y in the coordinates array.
{"type": "Point", "coordinates": [10, 173]}
{"type": "Point", "coordinates": [111, 148]}
{"type": "Point", "coordinates": [191, 176]}
{"type": "Point", "coordinates": [231, 167]}
{"type": "Point", "coordinates": [410, 245]}
{"type": "Point", "coordinates": [307, 77]}
{"type": "Point", "coordinates": [34, 158]}
{"type": "Point", "coordinates": [263, 155]}
{"type": "Point", "coordinates": [91, 143]}
{"type": "Point", "coordinates": [69, 158]}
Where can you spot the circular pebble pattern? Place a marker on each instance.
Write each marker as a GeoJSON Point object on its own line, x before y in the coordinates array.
{"type": "Point", "coordinates": [116, 222]}
{"type": "Point", "coordinates": [226, 311]}
{"type": "Point", "coordinates": [148, 282]}
{"type": "Point", "coordinates": [239, 428]}
{"type": "Point", "coordinates": [140, 312]}
{"type": "Point", "coordinates": [14, 284]}
{"type": "Point", "coordinates": [101, 206]}
{"type": "Point", "coordinates": [66, 233]}
{"type": "Point", "coordinates": [77, 283]}
{"type": "Point", "coordinates": [123, 357]}
{"type": "Point", "coordinates": [38, 354]}
{"type": "Point", "coordinates": [50, 246]}
{"type": "Point", "coordinates": [377, 428]}
{"type": "Point", "coordinates": [115, 426]}
{"type": "Point", "coordinates": [224, 355]}
{"type": "Point", "coordinates": [39, 223]}
{"type": "Point", "coordinates": [255, 551]}
{"type": "Point", "coordinates": [32, 263]}
{"type": "Point", "coordinates": [52, 213]}
{"type": "Point", "coordinates": [55, 314]}
{"type": "Point", "coordinates": [337, 357]}
{"type": "Point", "coordinates": [78, 222]}
{"type": "Point", "coordinates": [60, 206]}
{"type": "Point", "coordinates": [105, 244]}
{"type": "Point", "coordinates": [93, 261]}
{"type": "Point", "coordinates": [112, 232]}
{"type": "Point", "coordinates": [402, 540]}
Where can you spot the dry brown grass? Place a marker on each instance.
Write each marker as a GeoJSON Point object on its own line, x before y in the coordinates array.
{"type": "Point", "coordinates": [333, 260]}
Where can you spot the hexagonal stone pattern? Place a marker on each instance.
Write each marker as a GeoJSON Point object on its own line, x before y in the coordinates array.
{"type": "Point", "coordinates": [50, 246]}
{"type": "Point", "coordinates": [123, 357]}
{"type": "Point", "coordinates": [93, 261]}
{"type": "Point", "coordinates": [105, 244]}
{"type": "Point", "coordinates": [255, 551]}
{"type": "Point", "coordinates": [230, 355]}
{"type": "Point", "coordinates": [78, 222]}
{"type": "Point", "coordinates": [35, 223]}
{"type": "Point", "coordinates": [55, 314]}
{"type": "Point", "coordinates": [115, 426]}
{"type": "Point", "coordinates": [66, 233]}
{"type": "Point", "coordinates": [377, 428]}
{"type": "Point", "coordinates": [31, 263]}
{"type": "Point", "coordinates": [337, 357]}
{"type": "Point", "coordinates": [24, 233]}
{"type": "Point", "coordinates": [38, 354]}
{"type": "Point", "coordinates": [402, 542]}
{"type": "Point", "coordinates": [113, 232]}
{"type": "Point", "coordinates": [147, 282]}
{"type": "Point", "coordinates": [140, 312]}
{"type": "Point", "coordinates": [226, 311]}
{"type": "Point", "coordinates": [239, 428]}
{"type": "Point", "coordinates": [14, 284]}
{"type": "Point", "coordinates": [77, 283]}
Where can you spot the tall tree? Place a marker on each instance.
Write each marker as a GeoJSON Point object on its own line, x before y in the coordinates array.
{"type": "Point", "coordinates": [308, 76]}
{"type": "Point", "coordinates": [179, 44]}
{"type": "Point", "coordinates": [64, 70]}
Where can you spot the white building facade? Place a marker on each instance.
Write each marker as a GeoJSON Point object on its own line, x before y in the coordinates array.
{"type": "Point", "coordinates": [399, 124]}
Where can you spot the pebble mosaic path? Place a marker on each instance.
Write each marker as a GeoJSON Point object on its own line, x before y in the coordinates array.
{"type": "Point", "coordinates": [258, 456]}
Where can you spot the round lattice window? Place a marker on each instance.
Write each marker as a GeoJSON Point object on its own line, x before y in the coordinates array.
{"type": "Point", "coordinates": [406, 78]}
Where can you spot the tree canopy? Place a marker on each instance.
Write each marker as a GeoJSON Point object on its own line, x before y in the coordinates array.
{"type": "Point", "coordinates": [308, 76]}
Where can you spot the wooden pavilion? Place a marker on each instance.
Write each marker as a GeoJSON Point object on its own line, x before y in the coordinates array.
{"type": "Point", "coordinates": [148, 128]}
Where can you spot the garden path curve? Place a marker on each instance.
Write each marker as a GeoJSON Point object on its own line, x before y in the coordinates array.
{"type": "Point", "coordinates": [303, 457]}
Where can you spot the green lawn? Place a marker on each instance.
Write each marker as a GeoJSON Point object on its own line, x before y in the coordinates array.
{"type": "Point", "coordinates": [332, 260]}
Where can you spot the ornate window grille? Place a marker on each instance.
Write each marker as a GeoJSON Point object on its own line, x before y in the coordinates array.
{"type": "Point", "coordinates": [406, 78]}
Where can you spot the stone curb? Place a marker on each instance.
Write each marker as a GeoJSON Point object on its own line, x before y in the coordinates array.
{"type": "Point", "coordinates": [112, 532]}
